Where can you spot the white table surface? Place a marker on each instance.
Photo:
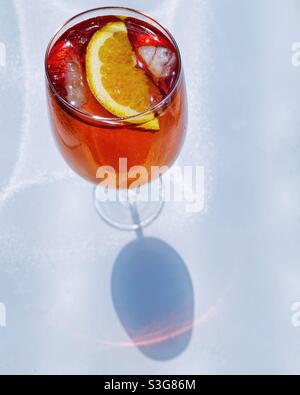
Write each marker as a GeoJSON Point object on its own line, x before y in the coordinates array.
{"type": "Point", "coordinates": [72, 305]}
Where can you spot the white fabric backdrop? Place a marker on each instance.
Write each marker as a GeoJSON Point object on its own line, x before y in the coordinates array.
{"type": "Point", "coordinates": [58, 260]}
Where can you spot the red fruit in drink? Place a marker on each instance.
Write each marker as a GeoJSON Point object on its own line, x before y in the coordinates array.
{"type": "Point", "coordinates": [58, 65]}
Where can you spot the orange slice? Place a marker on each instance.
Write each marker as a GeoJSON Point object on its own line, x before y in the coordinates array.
{"type": "Point", "coordinates": [115, 81]}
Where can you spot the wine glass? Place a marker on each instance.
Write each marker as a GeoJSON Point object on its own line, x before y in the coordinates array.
{"type": "Point", "coordinates": [100, 146]}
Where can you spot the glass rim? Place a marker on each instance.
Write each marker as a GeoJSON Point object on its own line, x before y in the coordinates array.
{"type": "Point", "coordinates": [115, 120]}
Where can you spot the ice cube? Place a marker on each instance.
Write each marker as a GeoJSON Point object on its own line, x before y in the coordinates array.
{"type": "Point", "coordinates": [75, 84]}
{"type": "Point", "coordinates": [160, 61]}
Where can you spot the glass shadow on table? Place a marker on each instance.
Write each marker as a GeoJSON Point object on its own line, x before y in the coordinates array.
{"type": "Point", "coordinates": [153, 296]}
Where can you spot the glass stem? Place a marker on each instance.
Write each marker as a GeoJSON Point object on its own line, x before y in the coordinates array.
{"type": "Point", "coordinates": [135, 217]}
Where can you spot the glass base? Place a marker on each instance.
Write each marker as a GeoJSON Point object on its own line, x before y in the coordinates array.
{"type": "Point", "coordinates": [130, 209]}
